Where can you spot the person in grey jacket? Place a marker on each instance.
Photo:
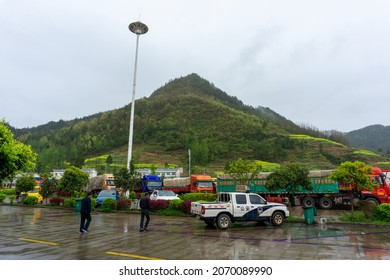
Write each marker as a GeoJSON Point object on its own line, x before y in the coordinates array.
{"type": "Point", "coordinates": [85, 211]}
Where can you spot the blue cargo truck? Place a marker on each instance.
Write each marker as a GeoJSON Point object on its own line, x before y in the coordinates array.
{"type": "Point", "coordinates": [149, 183]}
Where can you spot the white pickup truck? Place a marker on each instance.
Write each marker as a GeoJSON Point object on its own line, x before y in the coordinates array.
{"type": "Point", "coordinates": [235, 206]}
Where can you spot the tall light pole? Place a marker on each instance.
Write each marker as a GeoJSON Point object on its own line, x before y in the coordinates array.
{"type": "Point", "coordinates": [189, 162]}
{"type": "Point", "coordinates": [138, 28]}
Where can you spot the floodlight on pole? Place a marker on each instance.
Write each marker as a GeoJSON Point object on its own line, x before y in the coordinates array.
{"type": "Point", "coordinates": [137, 28]}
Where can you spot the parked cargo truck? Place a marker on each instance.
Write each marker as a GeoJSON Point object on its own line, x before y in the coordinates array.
{"type": "Point", "coordinates": [149, 183]}
{"type": "Point", "coordinates": [194, 183]}
{"type": "Point", "coordinates": [325, 192]}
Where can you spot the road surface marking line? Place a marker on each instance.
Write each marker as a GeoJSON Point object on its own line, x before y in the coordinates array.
{"type": "Point", "coordinates": [132, 256]}
{"type": "Point", "coordinates": [40, 241]}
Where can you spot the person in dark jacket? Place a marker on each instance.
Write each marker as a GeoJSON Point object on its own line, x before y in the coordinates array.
{"type": "Point", "coordinates": [85, 212]}
{"type": "Point", "coordinates": [144, 204]}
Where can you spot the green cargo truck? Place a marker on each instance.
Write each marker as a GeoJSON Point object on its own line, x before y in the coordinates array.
{"type": "Point", "coordinates": [325, 192]}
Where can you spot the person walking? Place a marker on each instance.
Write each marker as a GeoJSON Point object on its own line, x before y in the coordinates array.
{"type": "Point", "coordinates": [145, 208]}
{"type": "Point", "coordinates": [85, 211]}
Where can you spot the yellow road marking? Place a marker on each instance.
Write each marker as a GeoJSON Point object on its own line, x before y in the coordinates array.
{"type": "Point", "coordinates": [132, 256]}
{"type": "Point", "coordinates": [40, 241]}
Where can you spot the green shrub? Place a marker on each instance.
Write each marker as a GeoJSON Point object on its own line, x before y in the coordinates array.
{"type": "Point", "coordinates": [382, 213]}
{"type": "Point", "coordinates": [368, 208]}
{"type": "Point", "coordinates": [12, 198]}
{"type": "Point", "coordinates": [199, 196]}
{"type": "Point", "coordinates": [108, 205]}
{"type": "Point", "coordinates": [355, 217]}
{"type": "Point", "coordinates": [169, 212]}
{"type": "Point", "coordinates": [8, 191]}
{"type": "Point", "coordinates": [30, 200]}
{"type": "Point", "coordinates": [132, 195]}
{"type": "Point", "coordinates": [93, 203]}
{"type": "Point", "coordinates": [175, 204]}
{"type": "Point", "coordinates": [2, 197]}
{"type": "Point", "coordinates": [70, 203]}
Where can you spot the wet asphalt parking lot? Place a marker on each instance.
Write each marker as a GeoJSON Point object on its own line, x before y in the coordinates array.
{"type": "Point", "coordinates": [29, 233]}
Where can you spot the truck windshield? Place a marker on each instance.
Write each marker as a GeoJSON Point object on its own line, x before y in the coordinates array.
{"type": "Point", "coordinates": [110, 182]}
{"type": "Point", "coordinates": [205, 184]}
{"type": "Point", "coordinates": [377, 181]}
{"type": "Point", "coordinates": [107, 193]}
{"type": "Point", "coordinates": [154, 183]}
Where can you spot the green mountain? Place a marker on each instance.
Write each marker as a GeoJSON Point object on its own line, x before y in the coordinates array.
{"type": "Point", "coordinates": [186, 113]}
{"type": "Point", "coordinates": [374, 138]}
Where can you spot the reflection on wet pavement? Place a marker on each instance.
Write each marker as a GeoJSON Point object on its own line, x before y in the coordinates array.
{"type": "Point", "coordinates": [29, 233]}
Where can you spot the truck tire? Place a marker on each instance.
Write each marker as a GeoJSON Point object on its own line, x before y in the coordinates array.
{"type": "Point", "coordinates": [372, 199]}
{"type": "Point", "coordinates": [326, 203]}
{"type": "Point", "coordinates": [308, 202]}
{"type": "Point", "coordinates": [277, 218]}
{"type": "Point", "coordinates": [223, 221]}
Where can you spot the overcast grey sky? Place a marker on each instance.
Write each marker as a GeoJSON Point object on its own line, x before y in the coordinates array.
{"type": "Point", "coordinates": [321, 63]}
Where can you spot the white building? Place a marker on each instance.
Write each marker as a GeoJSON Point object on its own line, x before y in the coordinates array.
{"type": "Point", "coordinates": [90, 171]}
{"type": "Point", "coordinates": [162, 172]}
{"type": "Point", "coordinates": [58, 173]}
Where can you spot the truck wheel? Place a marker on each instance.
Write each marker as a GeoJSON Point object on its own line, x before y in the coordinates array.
{"type": "Point", "coordinates": [223, 221]}
{"type": "Point", "coordinates": [326, 203]}
{"type": "Point", "coordinates": [308, 202]}
{"type": "Point", "coordinates": [277, 218]}
{"type": "Point", "coordinates": [371, 199]}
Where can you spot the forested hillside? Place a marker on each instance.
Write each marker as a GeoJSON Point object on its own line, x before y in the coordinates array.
{"type": "Point", "coordinates": [374, 137]}
{"type": "Point", "coordinates": [186, 113]}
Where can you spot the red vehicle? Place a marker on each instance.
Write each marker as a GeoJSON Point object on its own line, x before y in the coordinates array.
{"type": "Point", "coordinates": [194, 183]}
{"type": "Point", "coordinates": [381, 191]}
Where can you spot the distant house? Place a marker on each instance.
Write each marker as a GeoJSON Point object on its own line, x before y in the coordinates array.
{"type": "Point", "coordinates": [162, 172]}
{"type": "Point", "coordinates": [58, 173]}
{"type": "Point", "coordinates": [90, 171]}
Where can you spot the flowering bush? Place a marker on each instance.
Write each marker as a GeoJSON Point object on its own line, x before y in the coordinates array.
{"type": "Point", "coordinates": [124, 204]}
{"type": "Point", "coordinates": [186, 206]}
{"type": "Point", "coordinates": [63, 193]}
{"type": "Point", "coordinates": [56, 201]}
{"type": "Point", "coordinates": [156, 205]}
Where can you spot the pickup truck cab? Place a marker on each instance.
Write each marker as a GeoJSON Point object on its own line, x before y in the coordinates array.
{"type": "Point", "coordinates": [235, 206]}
